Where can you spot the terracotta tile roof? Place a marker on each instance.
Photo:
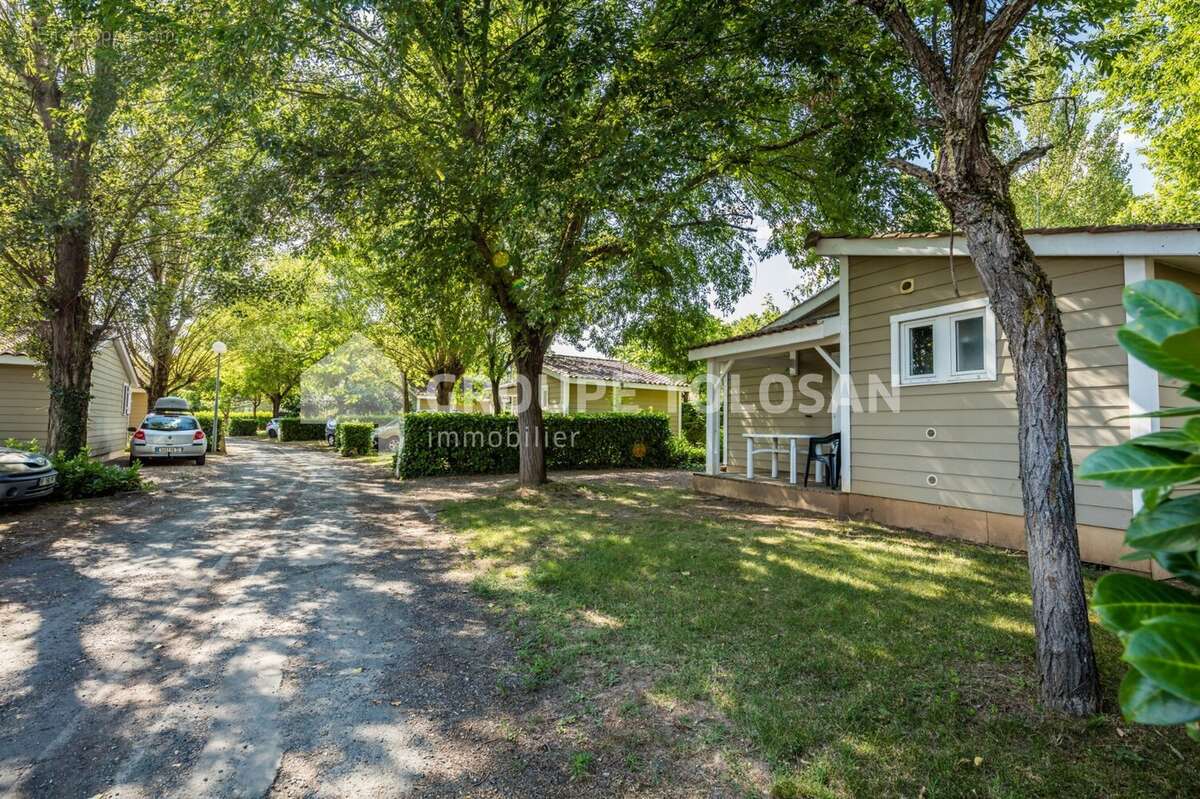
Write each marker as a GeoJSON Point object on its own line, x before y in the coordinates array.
{"type": "Point", "coordinates": [816, 235]}
{"type": "Point", "coordinates": [10, 345]}
{"type": "Point", "coordinates": [607, 369]}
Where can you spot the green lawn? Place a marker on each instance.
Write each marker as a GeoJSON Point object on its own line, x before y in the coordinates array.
{"type": "Point", "coordinates": [858, 661]}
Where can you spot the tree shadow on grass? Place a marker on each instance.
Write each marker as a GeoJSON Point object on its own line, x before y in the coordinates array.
{"type": "Point", "coordinates": [857, 660]}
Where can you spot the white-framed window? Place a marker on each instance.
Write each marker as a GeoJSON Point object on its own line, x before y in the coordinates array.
{"type": "Point", "coordinates": [948, 344]}
{"type": "Point", "coordinates": [126, 399]}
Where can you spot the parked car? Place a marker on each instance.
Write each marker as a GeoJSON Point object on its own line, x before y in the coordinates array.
{"type": "Point", "coordinates": [331, 431]}
{"type": "Point", "coordinates": [273, 427]}
{"type": "Point", "coordinates": [386, 438]}
{"type": "Point", "coordinates": [162, 436]}
{"type": "Point", "coordinates": [25, 475]}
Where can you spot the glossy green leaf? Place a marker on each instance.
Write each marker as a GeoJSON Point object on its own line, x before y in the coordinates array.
{"type": "Point", "coordinates": [1192, 392]}
{"type": "Point", "coordinates": [1184, 565]}
{"type": "Point", "coordinates": [1184, 347]}
{"type": "Point", "coordinates": [1182, 440]}
{"type": "Point", "coordinates": [1169, 413]}
{"type": "Point", "coordinates": [1173, 526]}
{"type": "Point", "coordinates": [1161, 298]}
{"type": "Point", "coordinates": [1125, 601]}
{"type": "Point", "coordinates": [1127, 466]}
{"type": "Point", "coordinates": [1144, 702]}
{"type": "Point", "coordinates": [1144, 337]}
{"type": "Point", "coordinates": [1167, 651]}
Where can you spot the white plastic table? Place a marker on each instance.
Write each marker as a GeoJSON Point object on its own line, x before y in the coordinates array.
{"type": "Point", "coordinates": [776, 451]}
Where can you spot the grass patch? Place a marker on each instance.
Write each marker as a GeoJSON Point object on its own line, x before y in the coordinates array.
{"type": "Point", "coordinates": [856, 660]}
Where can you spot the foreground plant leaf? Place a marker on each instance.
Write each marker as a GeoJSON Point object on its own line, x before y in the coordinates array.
{"type": "Point", "coordinates": [1167, 650]}
{"type": "Point", "coordinates": [1172, 526]}
{"type": "Point", "coordinates": [1125, 601]}
{"type": "Point", "coordinates": [1144, 702]}
{"type": "Point", "coordinates": [1128, 466]}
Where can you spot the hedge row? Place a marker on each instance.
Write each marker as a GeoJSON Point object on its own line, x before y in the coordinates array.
{"type": "Point", "coordinates": [205, 420]}
{"type": "Point", "coordinates": [354, 438]}
{"type": "Point", "coordinates": [468, 443]}
{"type": "Point", "coordinates": [293, 429]}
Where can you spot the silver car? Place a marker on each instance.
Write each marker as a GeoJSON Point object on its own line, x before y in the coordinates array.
{"type": "Point", "coordinates": [175, 436]}
{"type": "Point", "coordinates": [25, 475]}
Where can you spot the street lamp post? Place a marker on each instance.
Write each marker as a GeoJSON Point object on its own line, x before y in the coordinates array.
{"type": "Point", "coordinates": [219, 348]}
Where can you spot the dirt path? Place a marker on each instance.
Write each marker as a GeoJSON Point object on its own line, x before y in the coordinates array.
{"type": "Point", "coordinates": [280, 623]}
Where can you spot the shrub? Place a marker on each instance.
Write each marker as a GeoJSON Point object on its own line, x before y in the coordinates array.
{"type": "Point", "coordinates": [243, 425]}
{"type": "Point", "coordinates": [354, 438]}
{"type": "Point", "coordinates": [31, 445]}
{"type": "Point", "coordinates": [685, 454]}
{"type": "Point", "coordinates": [83, 476]}
{"type": "Point", "coordinates": [1158, 623]}
{"type": "Point", "coordinates": [469, 443]}
{"type": "Point", "coordinates": [692, 423]}
{"type": "Point", "coordinates": [206, 421]}
{"type": "Point", "coordinates": [293, 429]}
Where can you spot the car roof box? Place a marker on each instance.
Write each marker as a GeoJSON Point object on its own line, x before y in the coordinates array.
{"type": "Point", "coordinates": [172, 405]}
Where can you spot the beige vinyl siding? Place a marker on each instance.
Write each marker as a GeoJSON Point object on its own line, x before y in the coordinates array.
{"type": "Point", "coordinates": [1169, 388]}
{"type": "Point", "coordinates": [24, 403]}
{"type": "Point", "coordinates": [974, 454]}
{"type": "Point", "coordinates": [107, 420]}
{"type": "Point", "coordinates": [747, 414]}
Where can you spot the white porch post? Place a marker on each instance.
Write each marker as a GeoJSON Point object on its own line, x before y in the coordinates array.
{"type": "Point", "coordinates": [1143, 381]}
{"type": "Point", "coordinates": [712, 420]}
{"type": "Point", "coordinates": [844, 385]}
{"type": "Point", "coordinates": [565, 394]}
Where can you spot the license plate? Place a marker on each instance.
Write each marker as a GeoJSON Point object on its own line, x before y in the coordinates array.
{"type": "Point", "coordinates": [48, 480]}
{"type": "Point", "coordinates": [168, 450]}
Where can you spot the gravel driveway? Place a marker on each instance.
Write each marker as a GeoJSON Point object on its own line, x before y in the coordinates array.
{"type": "Point", "coordinates": [279, 622]}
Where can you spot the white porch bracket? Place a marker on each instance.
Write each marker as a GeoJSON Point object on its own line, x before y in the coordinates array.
{"type": "Point", "coordinates": [834, 365]}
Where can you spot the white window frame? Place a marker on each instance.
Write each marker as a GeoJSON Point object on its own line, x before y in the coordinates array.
{"type": "Point", "coordinates": [126, 399]}
{"type": "Point", "coordinates": [943, 319]}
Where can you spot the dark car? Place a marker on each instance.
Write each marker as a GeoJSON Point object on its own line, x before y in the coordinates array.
{"type": "Point", "coordinates": [25, 475]}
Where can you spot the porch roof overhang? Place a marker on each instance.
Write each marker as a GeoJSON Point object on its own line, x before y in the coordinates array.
{"type": "Point", "coordinates": [819, 332]}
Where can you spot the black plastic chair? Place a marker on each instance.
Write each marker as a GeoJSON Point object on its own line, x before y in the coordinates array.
{"type": "Point", "coordinates": [830, 458]}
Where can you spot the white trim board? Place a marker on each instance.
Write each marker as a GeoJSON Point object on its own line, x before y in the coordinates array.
{"type": "Point", "coordinates": [1161, 243]}
{"type": "Point", "coordinates": [1143, 380]}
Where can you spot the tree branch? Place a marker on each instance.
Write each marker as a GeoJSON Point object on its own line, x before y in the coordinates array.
{"type": "Point", "coordinates": [932, 69]}
{"type": "Point", "coordinates": [913, 170]}
{"type": "Point", "coordinates": [1027, 157]}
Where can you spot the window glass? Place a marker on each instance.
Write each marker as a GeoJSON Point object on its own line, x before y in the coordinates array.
{"type": "Point", "coordinates": [968, 344]}
{"type": "Point", "coordinates": [170, 423]}
{"type": "Point", "coordinates": [920, 349]}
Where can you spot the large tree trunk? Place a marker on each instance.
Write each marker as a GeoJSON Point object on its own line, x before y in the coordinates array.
{"type": "Point", "coordinates": [276, 401]}
{"type": "Point", "coordinates": [528, 353]}
{"type": "Point", "coordinates": [69, 367]}
{"type": "Point", "coordinates": [975, 186]}
{"type": "Point", "coordinates": [495, 395]}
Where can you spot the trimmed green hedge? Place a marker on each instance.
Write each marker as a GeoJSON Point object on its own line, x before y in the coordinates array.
{"type": "Point", "coordinates": [205, 420]}
{"type": "Point", "coordinates": [293, 429]}
{"type": "Point", "coordinates": [469, 443]}
{"type": "Point", "coordinates": [354, 438]}
{"type": "Point", "coordinates": [243, 426]}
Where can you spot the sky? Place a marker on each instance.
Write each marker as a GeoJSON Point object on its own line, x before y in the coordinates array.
{"type": "Point", "coordinates": [774, 276]}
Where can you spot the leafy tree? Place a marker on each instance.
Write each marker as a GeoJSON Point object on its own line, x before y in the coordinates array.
{"type": "Point", "coordinates": [956, 55]}
{"type": "Point", "coordinates": [579, 162]}
{"type": "Point", "coordinates": [1159, 623]}
{"type": "Point", "coordinates": [1084, 178]}
{"type": "Point", "coordinates": [103, 106]}
{"type": "Point", "coordinates": [275, 339]}
{"type": "Point", "coordinates": [1152, 69]}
